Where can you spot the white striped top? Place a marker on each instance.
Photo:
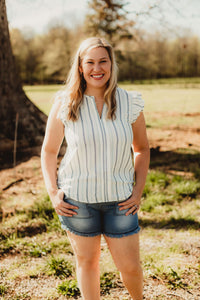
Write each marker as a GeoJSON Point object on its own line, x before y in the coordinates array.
{"type": "Point", "coordinates": [98, 166]}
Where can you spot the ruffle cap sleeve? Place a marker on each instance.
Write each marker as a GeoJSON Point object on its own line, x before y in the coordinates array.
{"type": "Point", "coordinates": [63, 111]}
{"type": "Point", "coordinates": [136, 105]}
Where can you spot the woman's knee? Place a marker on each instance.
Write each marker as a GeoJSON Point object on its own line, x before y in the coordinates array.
{"type": "Point", "coordinates": [87, 258]}
{"type": "Point", "coordinates": [133, 268]}
{"type": "Point", "coordinates": [87, 250]}
{"type": "Point", "coordinates": [90, 262]}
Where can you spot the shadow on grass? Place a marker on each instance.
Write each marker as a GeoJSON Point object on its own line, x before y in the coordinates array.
{"type": "Point", "coordinates": [172, 223]}
{"type": "Point", "coordinates": [182, 160]}
{"type": "Point", "coordinates": [21, 230]}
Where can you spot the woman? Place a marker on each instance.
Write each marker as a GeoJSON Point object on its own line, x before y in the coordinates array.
{"type": "Point", "coordinates": [95, 192]}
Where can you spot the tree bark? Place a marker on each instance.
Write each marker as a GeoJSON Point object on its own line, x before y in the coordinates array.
{"type": "Point", "coordinates": [13, 101]}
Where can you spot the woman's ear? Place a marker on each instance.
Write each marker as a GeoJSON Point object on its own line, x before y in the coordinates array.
{"type": "Point", "coordinates": [80, 69]}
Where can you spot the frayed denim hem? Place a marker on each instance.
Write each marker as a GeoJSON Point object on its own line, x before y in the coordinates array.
{"type": "Point", "coordinates": [118, 235]}
{"type": "Point", "coordinates": [80, 233]}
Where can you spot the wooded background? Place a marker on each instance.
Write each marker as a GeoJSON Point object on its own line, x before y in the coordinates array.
{"type": "Point", "coordinates": [46, 58]}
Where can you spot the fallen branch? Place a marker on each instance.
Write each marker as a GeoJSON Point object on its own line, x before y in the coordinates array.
{"type": "Point", "coordinates": [11, 184]}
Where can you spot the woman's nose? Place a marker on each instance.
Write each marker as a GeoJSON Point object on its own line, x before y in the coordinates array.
{"type": "Point", "coordinates": [97, 67]}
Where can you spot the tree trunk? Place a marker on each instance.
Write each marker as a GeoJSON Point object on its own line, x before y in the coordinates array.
{"type": "Point", "coordinates": [27, 133]}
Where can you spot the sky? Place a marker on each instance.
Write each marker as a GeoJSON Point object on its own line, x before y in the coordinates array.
{"type": "Point", "coordinates": [165, 15]}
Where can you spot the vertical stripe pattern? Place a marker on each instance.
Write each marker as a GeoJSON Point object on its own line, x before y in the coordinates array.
{"type": "Point", "coordinates": [97, 166]}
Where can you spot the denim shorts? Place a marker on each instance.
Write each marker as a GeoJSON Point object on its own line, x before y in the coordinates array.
{"type": "Point", "coordinates": [100, 218]}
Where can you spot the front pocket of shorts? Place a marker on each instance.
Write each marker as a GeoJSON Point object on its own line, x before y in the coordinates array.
{"type": "Point", "coordinates": [82, 211]}
{"type": "Point", "coordinates": [120, 212]}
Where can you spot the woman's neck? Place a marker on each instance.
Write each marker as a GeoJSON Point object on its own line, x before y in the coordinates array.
{"type": "Point", "coordinates": [97, 93]}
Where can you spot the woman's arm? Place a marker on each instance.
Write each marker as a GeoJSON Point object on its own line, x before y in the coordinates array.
{"type": "Point", "coordinates": [52, 141]}
{"type": "Point", "coordinates": [141, 164]}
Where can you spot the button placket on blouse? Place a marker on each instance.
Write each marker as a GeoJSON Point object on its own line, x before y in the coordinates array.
{"type": "Point", "coordinates": [101, 127]}
{"type": "Point", "coordinates": [94, 102]}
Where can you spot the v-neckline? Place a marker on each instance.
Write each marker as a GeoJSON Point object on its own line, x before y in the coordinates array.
{"type": "Point", "coordinates": [94, 103]}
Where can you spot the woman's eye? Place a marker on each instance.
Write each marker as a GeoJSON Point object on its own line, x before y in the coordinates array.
{"type": "Point", "coordinates": [103, 61]}
{"type": "Point", "coordinates": [90, 62]}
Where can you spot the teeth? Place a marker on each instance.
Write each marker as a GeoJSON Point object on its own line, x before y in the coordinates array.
{"type": "Point", "coordinates": [97, 76]}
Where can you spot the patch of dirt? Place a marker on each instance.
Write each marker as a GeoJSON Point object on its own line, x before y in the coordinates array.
{"type": "Point", "coordinates": [170, 139]}
{"type": "Point", "coordinates": [15, 184]}
{"type": "Point", "coordinates": [171, 136]}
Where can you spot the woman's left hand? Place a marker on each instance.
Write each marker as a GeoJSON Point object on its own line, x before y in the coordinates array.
{"type": "Point", "coordinates": [133, 203]}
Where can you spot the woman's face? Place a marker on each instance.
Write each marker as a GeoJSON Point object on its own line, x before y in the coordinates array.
{"type": "Point", "coordinates": [96, 68]}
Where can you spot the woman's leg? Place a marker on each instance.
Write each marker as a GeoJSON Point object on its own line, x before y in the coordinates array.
{"type": "Point", "coordinates": [87, 253]}
{"type": "Point", "coordinates": [125, 253]}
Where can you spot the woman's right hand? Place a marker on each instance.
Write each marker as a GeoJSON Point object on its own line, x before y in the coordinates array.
{"type": "Point", "coordinates": [61, 207]}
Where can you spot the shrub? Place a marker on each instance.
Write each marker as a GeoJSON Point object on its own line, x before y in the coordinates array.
{"type": "Point", "coordinates": [59, 267]}
{"type": "Point", "coordinates": [69, 288]}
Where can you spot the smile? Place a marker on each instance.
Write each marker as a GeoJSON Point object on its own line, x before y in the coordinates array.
{"type": "Point", "coordinates": [97, 76]}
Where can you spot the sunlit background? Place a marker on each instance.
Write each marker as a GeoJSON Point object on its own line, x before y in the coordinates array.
{"type": "Point", "coordinates": [165, 15]}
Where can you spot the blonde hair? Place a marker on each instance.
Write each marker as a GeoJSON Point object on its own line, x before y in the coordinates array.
{"type": "Point", "coordinates": [76, 84]}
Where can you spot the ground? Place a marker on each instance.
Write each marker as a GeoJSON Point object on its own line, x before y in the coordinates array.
{"type": "Point", "coordinates": [20, 188]}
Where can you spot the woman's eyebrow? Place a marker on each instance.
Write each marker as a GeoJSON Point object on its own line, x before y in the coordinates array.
{"type": "Point", "coordinates": [99, 58]}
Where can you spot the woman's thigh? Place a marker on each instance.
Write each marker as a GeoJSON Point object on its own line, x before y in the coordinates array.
{"type": "Point", "coordinates": [125, 251]}
{"type": "Point", "coordinates": [86, 248]}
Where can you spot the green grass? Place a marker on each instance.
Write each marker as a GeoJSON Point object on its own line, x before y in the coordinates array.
{"type": "Point", "coordinates": [170, 81]}
{"type": "Point", "coordinates": [42, 95]}
{"type": "Point", "coordinates": [165, 103]}
{"type": "Point", "coordinates": [168, 261]}
{"type": "Point", "coordinates": [173, 200]}
{"type": "Point", "coordinates": [164, 95]}
{"type": "Point", "coordinates": [43, 209]}
{"type": "Point", "coordinates": [36, 249]}
{"type": "Point", "coordinates": [187, 188]}
{"type": "Point", "coordinates": [153, 202]}
{"type": "Point", "coordinates": [20, 229]}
